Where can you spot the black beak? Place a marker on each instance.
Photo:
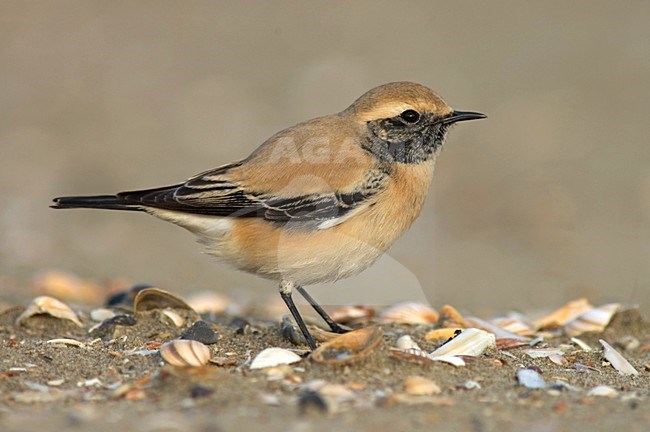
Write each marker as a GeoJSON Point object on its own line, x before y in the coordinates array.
{"type": "Point", "coordinates": [458, 116]}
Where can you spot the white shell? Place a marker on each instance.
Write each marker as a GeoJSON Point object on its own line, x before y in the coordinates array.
{"type": "Point", "coordinates": [406, 342]}
{"type": "Point", "coordinates": [274, 357]}
{"type": "Point", "coordinates": [471, 342]}
{"type": "Point", "coordinates": [582, 344]}
{"type": "Point", "coordinates": [617, 360]}
{"type": "Point", "coordinates": [594, 320]}
{"type": "Point", "coordinates": [65, 341]}
{"type": "Point", "coordinates": [174, 317]}
{"type": "Point", "coordinates": [603, 391]}
{"type": "Point", "coordinates": [50, 306]}
{"type": "Point", "coordinates": [101, 314]}
{"type": "Point", "coordinates": [185, 353]}
{"type": "Point", "coordinates": [410, 313]}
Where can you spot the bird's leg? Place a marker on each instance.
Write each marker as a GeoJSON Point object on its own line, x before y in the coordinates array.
{"type": "Point", "coordinates": [334, 326]}
{"type": "Point", "coordinates": [285, 292]}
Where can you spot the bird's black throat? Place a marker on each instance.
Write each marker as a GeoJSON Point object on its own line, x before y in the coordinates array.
{"type": "Point", "coordinates": [390, 140]}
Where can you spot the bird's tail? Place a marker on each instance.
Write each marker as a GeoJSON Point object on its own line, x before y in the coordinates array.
{"type": "Point", "coordinates": [110, 202]}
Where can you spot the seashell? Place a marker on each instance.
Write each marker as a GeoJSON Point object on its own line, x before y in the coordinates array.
{"type": "Point", "coordinates": [515, 323]}
{"type": "Point", "coordinates": [603, 391]}
{"type": "Point", "coordinates": [185, 353]}
{"type": "Point", "coordinates": [617, 360]}
{"type": "Point", "coordinates": [563, 315]}
{"type": "Point", "coordinates": [321, 335]}
{"type": "Point", "coordinates": [420, 386]}
{"type": "Point", "coordinates": [530, 378]}
{"type": "Point", "coordinates": [558, 359]}
{"type": "Point", "coordinates": [123, 299]}
{"type": "Point", "coordinates": [65, 341]}
{"type": "Point", "coordinates": [67, 286]}
{"type": "Point", "coordinates": [505, 344]}
{"type": "Point", "coordinates": [406, 342]}
{"type": "Point", "coordinates": [348, 314]}
{"type": "Point", "coordinates": [349, 347]}
{"type": "Point", "coordinates": [155, 298]}
{"type": "Point", "coordinates": [442, 333]}
{"type": "Point", "coordinates": [450, 317]}
{"type": "Point", "coordinates": [409, 313]}
{"type": "Point", "coordinates": [470, 342]}
{"type": "Point", "coordinates": [49, 306]}
{"type": "Point", "coordinates": [175, 318]}
{"type": "Point", "coordinates": [594, 320]}
{"type": "Point", "coordinates": [271, 357]}
{"type": "Point", "coordinates": [583, 345]}
{"type": "Point", "coordinates": [543, 352]}
{"type": "Point", "coordinates": [209, 302]}
{"type": "Point", "coordinates": [101, 314]}
{"type": "Point", "coordinates": [499, 332]}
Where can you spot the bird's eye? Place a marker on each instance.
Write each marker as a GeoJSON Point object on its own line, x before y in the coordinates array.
{"type": "Point", "coordinates": [410, 116]}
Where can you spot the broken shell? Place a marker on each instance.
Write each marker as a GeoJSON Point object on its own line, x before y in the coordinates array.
{"type": "Point", "coordinates": [543, 352]}
{"type": "Point", "coordinates": [155, 298]}
{"type": "Point", "coordinates": [49, 306]}
{"type": "Point", "coordinates": [406, 342]}
{"type": "Point", "coordinates": [349, 347]}
{"type": "Point", "coordinates": [603, 391]}
{"type": "Point", "coordinates": [420, 386]}
{"type": "Point", "coordinates": [558, 359]}
{"type": "Point", "coordinates": [530, 378]}
{"type": "Point", "coordinates": [410, 313]}
{"type": "Point", "coordinates": [582, 344]}
{"type": "Point", "coordinates": [594, 320]}
{"type": "Point", "coordinates": [499, 332]}
{"type": "Point", "coordinates": [271, 357]}
{"type": "Point", "coordinates": [617, 360]}
{"type": "Point", "coordinates": [442, 333]}
{"type": "Point", "coordinates": [348, 314]}
{"type": "Point", "coordinates": [66, 341]}
{"type": "Point", "coordinates": [186, 353]}
{"type": "Point", "coordinates": [174, 317]}
{"type": "Point", "coordinates": [450, 317]}
{"type": "Point", "coordinates": [563, 315]}
{"type": "Point", "coordinates": [101, 314]}
{"type": "Point", "coordinates": [515, 323]}
{"type": "Point", "coordinates": [470, 342]}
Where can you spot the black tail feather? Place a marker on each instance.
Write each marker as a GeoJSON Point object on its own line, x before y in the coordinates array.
{"type": "Point", "coordinates": [110, 202]}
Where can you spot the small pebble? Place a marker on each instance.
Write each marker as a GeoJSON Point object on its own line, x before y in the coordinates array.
{"type": "Point", "coordinates": [201, 332]}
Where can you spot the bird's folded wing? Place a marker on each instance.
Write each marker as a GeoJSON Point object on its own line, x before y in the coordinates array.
{"type": "Point", "coordinates": [214, 193]}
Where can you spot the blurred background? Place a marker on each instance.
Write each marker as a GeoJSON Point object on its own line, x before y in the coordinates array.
{"type": "Point", "coordinates": [546, 201]}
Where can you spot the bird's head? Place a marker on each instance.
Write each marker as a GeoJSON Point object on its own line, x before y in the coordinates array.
{"type": "Point", "coordinates": [405, 122]}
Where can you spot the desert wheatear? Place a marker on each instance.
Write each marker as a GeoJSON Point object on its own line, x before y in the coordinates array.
{"type": "Point", "coordinates": [316, 202]}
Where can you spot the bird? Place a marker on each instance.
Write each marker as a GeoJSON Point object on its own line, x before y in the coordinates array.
{"type": "Point", "coordinates": [316, 202]}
